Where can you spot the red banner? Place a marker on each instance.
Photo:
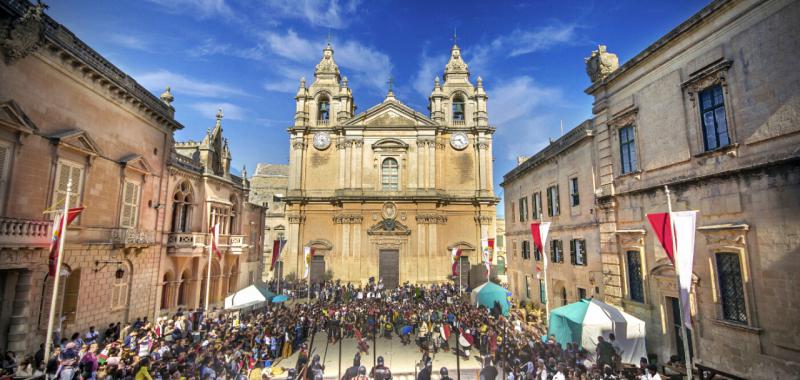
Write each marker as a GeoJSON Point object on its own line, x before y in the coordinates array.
{"type": "Point", "coordinates": [277, 247]}
{"type": "Point", "coordinates": [58, 226]}
{"type": "Point", "coordinates": [537, 237]}
{"type": "Point", "coordinates": [661, 226]}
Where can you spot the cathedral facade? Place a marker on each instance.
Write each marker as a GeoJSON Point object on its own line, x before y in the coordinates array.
{"type": "Point", "coordinates": [389, 192]}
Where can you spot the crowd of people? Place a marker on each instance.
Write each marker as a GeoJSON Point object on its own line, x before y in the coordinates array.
{"type": "Point", "coordinates": [433, 319]}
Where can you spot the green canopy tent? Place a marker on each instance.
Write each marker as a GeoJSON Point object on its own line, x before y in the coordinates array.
{"type": "Point", "coordinates": [489, 293]}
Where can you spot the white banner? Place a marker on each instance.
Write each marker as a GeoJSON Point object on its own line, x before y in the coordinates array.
{"type": "Point", "coordinates": [683, 223]}
{"type": "Point", "coordinates": [307, 252]}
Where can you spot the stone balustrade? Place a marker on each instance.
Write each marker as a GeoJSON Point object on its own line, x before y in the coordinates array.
{"type": "Point", "coordinates": [132, 238]}
{"type": "Point", "coordinates": [24, 233]}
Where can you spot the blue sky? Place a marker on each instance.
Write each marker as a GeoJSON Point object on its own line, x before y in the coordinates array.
{"type": "Point", "coordinates": [247, 56]}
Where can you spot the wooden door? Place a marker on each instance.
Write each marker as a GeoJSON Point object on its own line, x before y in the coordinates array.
{"type": "Point", "coordinates": [389, 267]}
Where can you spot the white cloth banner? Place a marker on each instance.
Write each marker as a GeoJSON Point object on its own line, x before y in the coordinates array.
{"type": "Point", "coordinates": [307, 252]}
{"type": "Point", "coordinates": [683, 223]}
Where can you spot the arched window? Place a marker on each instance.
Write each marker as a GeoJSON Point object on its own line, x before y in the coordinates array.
{"type": "Point", "coordinates": [389, 174]}
{"type": "Point", "coordinates": [166, 291]}
{"type": "Point", "coordinates": [458, 108]}
{"type": "Point", "coordinates": [324, 111]}
{"type": "Point", "coordinates": [234, 227]}
{"type": "Point", "coordinates": [182, 208]}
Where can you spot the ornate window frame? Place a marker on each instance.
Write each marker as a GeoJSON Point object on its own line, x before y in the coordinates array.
{"type": "Point", "coordinates": [625, 118]}
{"type": "Point", "coordinates": [730, 238]}
{"type": "Point", "coordinates": [630, 241]}
{"type": "Point", "coordinates": [714, 74]}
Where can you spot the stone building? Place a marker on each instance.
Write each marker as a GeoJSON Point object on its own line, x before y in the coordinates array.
{"type": "Point", "coordinates": [67, 113]}
{"type": "Point", "coordinates": [389, 192]}
{"type": "Point", "coordinates": [555, 185]}
{"type": "Point", "coordinates": [500, 259]}
{"type": "Point", "coordinates": [710, 110]}
{"type": "Point", "coordinates": [268, 186]}
{"type": "Point", "coordinates": [202, 192]}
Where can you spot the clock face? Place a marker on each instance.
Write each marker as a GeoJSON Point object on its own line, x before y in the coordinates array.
{"type": "Point", "coordinates": [322, 140]}
{"type": "Point", "coordinates": [459, 140]}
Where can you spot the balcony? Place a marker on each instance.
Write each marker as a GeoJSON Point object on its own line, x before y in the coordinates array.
{"type": "Point", "coordinates": [459, 123]}
{"type": "Point", "coordinates": [233, 244]}
{"type": "Point", "coordinates": [131, 238]}
{"type": "Point", "coordinates": [186, 243]}
{"type": "Point", "coordinates": [322, 122]}
{"type": "Point", "coordinates": [24, 233]}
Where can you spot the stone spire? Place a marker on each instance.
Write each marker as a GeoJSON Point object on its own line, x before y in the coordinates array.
{"type": "Point", "coordinates": [327, 71]}
{"type": "Point", "coordinates": [456, 68]}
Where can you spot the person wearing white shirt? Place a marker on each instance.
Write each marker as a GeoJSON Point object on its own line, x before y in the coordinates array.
{"type": "Point", "coordinates": [652, 372]}
{"type": "Point", "coordinates": [560, 373]}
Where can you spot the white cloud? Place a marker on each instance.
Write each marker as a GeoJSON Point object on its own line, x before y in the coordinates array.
{"type": "Point", "coordinates": [209, 110]}
{"type": "Point", "coordinates": [156, 81]}
{"type": "Point", "coordinates": [526, 42]}
{"type": "Point", "coordinates": [293, 47]}
{"type": "Point", "coordinates": [429, 68]}
{"type": "Point", "coordinates": [129, 41]}
{"type": "Point", "coordinates": [201, 9]}
{"type": "Point", "coordinates": [334, 14]}
{"type": "Point", "coordinates": [523, 112]}
{"type": "Point", "coordinates": [367, 65]}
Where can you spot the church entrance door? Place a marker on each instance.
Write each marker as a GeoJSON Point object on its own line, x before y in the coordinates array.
{"type": "Point", "coordinates": [317, 269]}
{"type": "Point", "coordinates": [389, 267]}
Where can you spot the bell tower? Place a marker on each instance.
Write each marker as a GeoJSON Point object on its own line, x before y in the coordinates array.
{"type": "Point", "coordinates": [329, 100]}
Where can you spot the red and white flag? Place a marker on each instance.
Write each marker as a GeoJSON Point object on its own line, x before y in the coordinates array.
{"type": "Point", "coordinates": [277, 247]}
{"type": "Point", "coordinates": [539, 233]}
{"type": "Point", "coordinates": [680, 226]}
{"type": "Point", "coordinates": [58, 226]}
{"type": "Point", "coordinates": [491, 250]}
{"type": "Point", "coordinates": [215, 241]}
{"type": "Point", "coordinates": [456, 258]}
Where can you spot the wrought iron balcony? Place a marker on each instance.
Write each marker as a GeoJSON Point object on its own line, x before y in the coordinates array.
{"type": "Point", "coordinates": [132, 238]}
{"type": "Point", "coordinates": [24, 233]}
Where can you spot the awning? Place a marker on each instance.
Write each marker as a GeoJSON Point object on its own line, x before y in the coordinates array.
{"type": "Point", "coordinates": [252, 295]}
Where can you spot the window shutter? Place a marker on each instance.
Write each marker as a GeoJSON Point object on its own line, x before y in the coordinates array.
{"type": "Point", "coordinates": [582, 248]}
{"type": "Point", "coordinates": [556, 208]}
{"type": "Point", "coordinates": [549, 202]}
{"type": "Point", "coordinates": [572, 256]}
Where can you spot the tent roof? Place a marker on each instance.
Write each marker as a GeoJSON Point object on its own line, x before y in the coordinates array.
{"type": "Point", "coordinates": [248, 296]}
{"type": "Point", "coordinates": [574, 312]}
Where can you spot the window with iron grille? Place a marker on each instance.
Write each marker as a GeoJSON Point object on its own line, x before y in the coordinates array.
{"type": "Point", "coordinates": [712, 116]}
{"type": "Point", "coordinates": [635, 283]}
{"type": "Point", "coordinates": [627, 149]}
{"type": "Point", "coordinates": [731, 288]}
{"type": "Point", "coordinates": [556, 251]}
{"type": "Point", "coordinates": [537, 255]}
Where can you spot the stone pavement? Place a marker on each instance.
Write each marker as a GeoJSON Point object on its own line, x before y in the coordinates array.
{"type": "Point", "coordinates": [400, 359]}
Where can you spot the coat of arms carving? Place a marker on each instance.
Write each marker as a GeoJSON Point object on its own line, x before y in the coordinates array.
{"type": "Point", "coordinates": [23, 36]}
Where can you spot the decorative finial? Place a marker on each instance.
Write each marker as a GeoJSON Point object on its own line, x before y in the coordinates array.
{"type": "Point", "coordinates": [480, 82]}
{"type": "Point", "coordinates": [244, 171]}
{"type": "Point", "coordinates": [344, 81]}
{"type": "Point", "coordinates": [390, 82]}
{"type": "Point", "coordinates": [329, 37]}
{"type": "Point", "coordinates": [436, 81]}
{"type": "Point", "coordinates": [219, 117]}
{"type": "Point", "coordinates": [167, 97]}
{"type": "Point", "coordinates": [302, 82]}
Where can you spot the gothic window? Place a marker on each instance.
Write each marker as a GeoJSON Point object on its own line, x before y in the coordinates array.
{"type": "Point", "coordinates": [577, 252]}
{"type": "Point", "coordinates": [458, 108]}
{"type": "Point", "coordinates": [635, 283]}
{"type": "Point", "coordinates": [65, 171]}
{"type": "Point", "coordinates": [537, 205]}
{"type": "Point", "coordinates": [574, 198]}
{"type": "Point", "coordinates": [389, 175]}
{"type": "Point", "coordinates": [713, 119]}
{"type": "Point", "coordinates": [557, 251]}
{"type": "Point", "coordinates": [182, 208]}
{"type": "Point", "coordinates": [221, 215]}
{"type": "Point", "coordinates": [552, 201]}
{"type": "Point", "coordinates": [627, 149]}
{"type": "Point", "coordinates": [731, 288]}
{"type": "Point", "coordinates": [130, 204]}
{"type": "Point", "coordinates": [323, 113]}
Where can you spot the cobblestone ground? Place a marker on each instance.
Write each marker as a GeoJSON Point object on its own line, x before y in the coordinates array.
{"type": "Point", "coordinates": [400, 359]}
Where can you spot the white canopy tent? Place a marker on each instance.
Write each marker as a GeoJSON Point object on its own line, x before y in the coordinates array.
{"type": "Point", "coordinates": [253, 295]}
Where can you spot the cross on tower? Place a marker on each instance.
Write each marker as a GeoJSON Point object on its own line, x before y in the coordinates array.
{"type": "Point", "coordinates": [329, 37]}
{"type": "Point", "coordinates": [390, 82]}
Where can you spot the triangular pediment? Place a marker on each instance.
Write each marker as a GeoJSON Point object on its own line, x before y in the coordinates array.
{"type": "Point", "coordinates": [137, 163]}
{"type": "Point", "coordinates": [77, 139]}
{"type": "Point", "coordinates": [390, 113]}
{"type": "Point", "coordinates": [11, 116]}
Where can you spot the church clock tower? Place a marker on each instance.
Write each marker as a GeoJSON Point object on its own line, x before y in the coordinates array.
{"type": "Point", "coordinates": [390, 192]}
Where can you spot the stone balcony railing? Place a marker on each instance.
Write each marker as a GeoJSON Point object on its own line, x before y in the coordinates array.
{"type": "Point", "coordinates": [24, 233]}
{"type": "Point", "coordinates": [322, 123]}
{"type": "Point", "coordinates": [132, 238]}
{"type": "Point", "coordinates": [235, 244]}
{"type": "Point", "coordinates": [186, 243]}
{"type": "Point", "coordinates": [459, 123]}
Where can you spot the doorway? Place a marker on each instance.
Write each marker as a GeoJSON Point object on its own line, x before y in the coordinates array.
{"type": "Point", "coordinates": [317, 269]}
{"type": "Point", "coordinates": [389, 267]}
{"type": "Point", "coordinates": [675, 311]}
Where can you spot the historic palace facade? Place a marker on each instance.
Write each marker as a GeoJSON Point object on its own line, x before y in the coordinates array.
{"type": "Point", "coordinates": [389, 192]}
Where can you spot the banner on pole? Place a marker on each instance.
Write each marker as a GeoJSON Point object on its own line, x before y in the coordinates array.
{"type": "Point", "coordinates": [661, 226]}
{"type": "Point", "coordinates": [215, 241]}
{"type": "Point", "coordinates": [58, 226]}
{"type": "Point", "coordinates": [277, 247]}
{"type": "Point", "coordinates": [684, 226]}
{"type": "Point", "coordinates": [456, 258]}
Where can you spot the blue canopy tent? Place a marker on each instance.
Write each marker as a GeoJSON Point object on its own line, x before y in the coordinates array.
{"type": "Point", "coordinates": [487, 294]}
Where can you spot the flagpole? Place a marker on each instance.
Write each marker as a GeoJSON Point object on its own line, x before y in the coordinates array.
{"type": "Point", "coordinates": [208, 280]}
{"type": "Point", "coordinates": [684, 330]}
{"type": "Point", "coordinates": [56, 281]}
{"type": "Point", "coordinates": [544, 258]}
